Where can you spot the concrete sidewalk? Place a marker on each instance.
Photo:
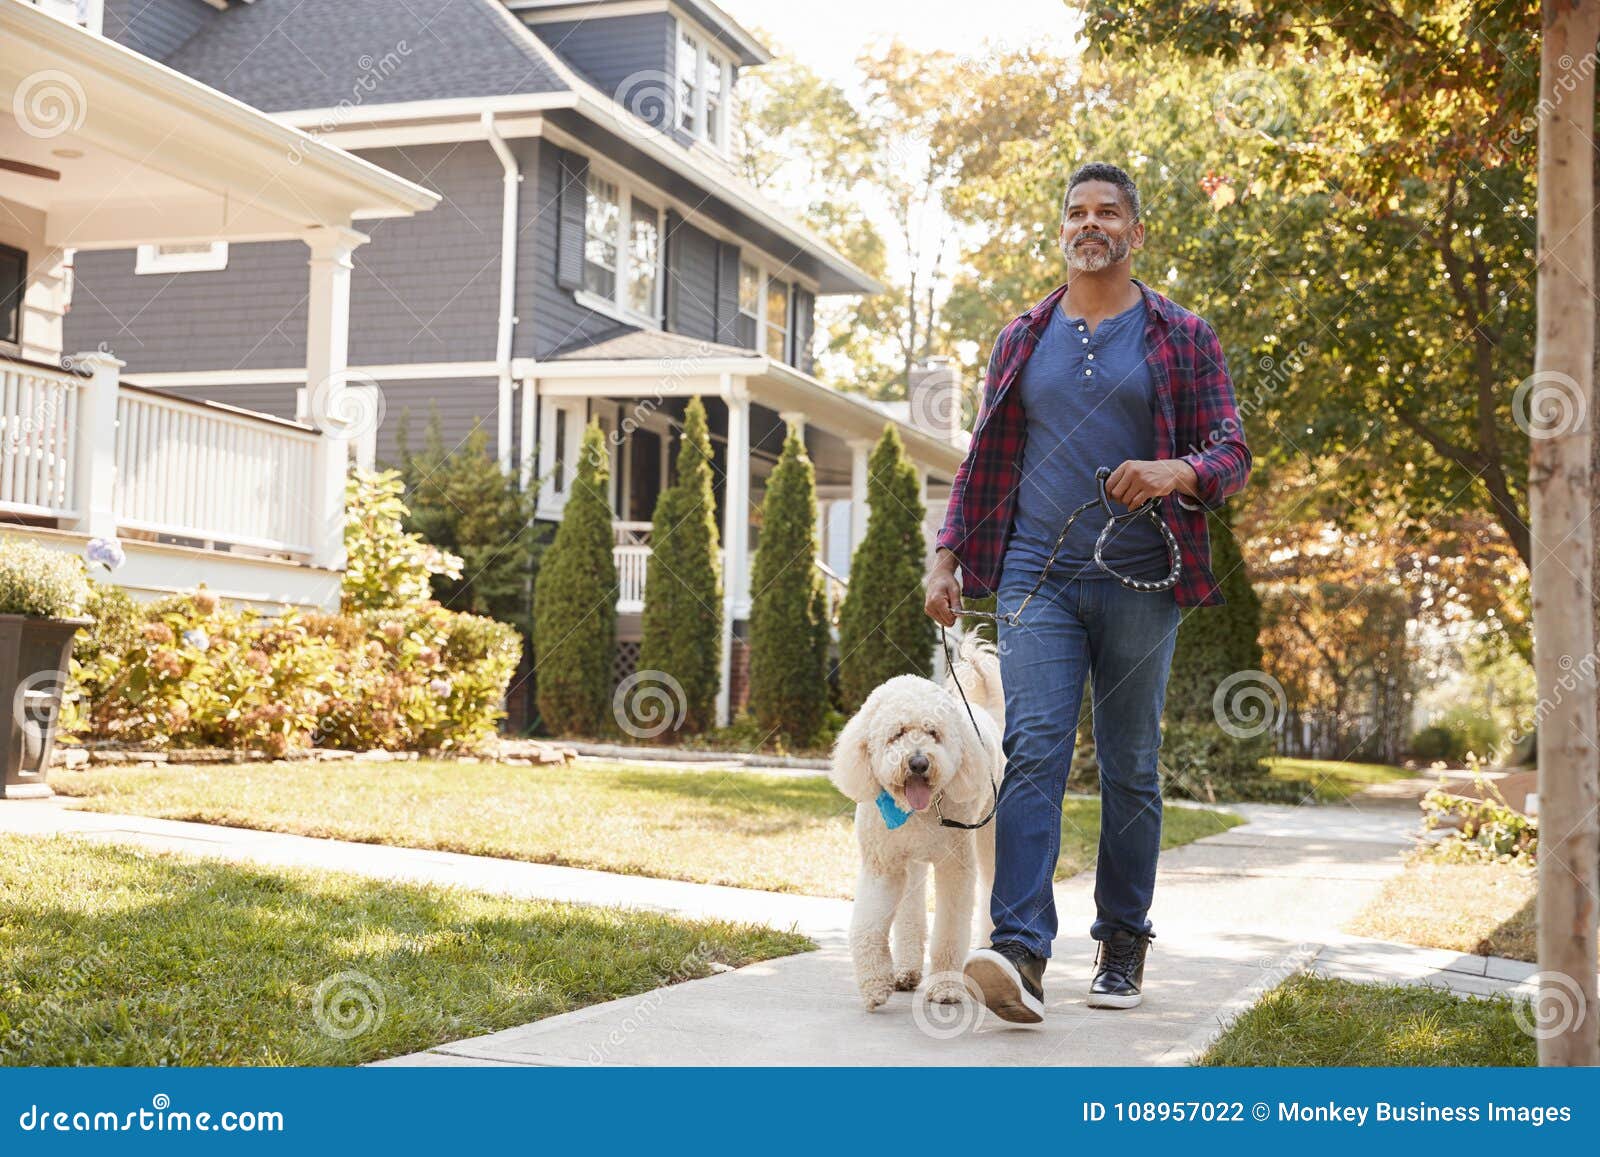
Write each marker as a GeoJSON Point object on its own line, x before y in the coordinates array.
{"type": "Point", "coordinates": [1235, 914]}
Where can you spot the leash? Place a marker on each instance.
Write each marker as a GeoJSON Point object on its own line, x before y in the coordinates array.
{"type": "Point", "coordinates": [1148, 509]}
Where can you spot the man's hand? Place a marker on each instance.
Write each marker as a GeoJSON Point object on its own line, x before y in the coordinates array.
{"type": "Point", "coordinates": [1134, 483]}
{"type": "Point", "coordinates": [943, 601]}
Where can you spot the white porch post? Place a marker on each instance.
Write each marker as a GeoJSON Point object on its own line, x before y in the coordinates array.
{"type": "Point", "coordinates": [327, 360]}
{"type": "Point", "coordinates": [735, 533]}
{"type": "Point", "coordinates": [94, 452]}
{"type": "Point", "coordinates": [860, 451]}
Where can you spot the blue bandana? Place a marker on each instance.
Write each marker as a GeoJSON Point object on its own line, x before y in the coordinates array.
{"type": "Point", "coordinates": [893, 815]}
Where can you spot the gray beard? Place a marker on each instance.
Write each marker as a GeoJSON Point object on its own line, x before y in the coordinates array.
{"type": "Point", "coordinates": [1093, 260]}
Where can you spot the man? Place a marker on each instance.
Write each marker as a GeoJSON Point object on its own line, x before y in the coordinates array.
{"type": "Point", "coordinates": [1105, 371]}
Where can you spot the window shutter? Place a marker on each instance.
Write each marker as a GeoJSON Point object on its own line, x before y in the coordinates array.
{"type": "Point", "coordinates": [805, 304]}
{"type": "Point", "coordinates": [671, 249]}
{"type": "Point", "coordinates": [574, 176]}
{"type": "Point", "coordinates": [728, 294]}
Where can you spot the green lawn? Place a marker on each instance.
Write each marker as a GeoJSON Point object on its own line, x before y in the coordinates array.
{"type": "Point", "coordinates": [782, 833]}
{"type": "Point", "coordinates": [1333, 780]}
{"type": "Point", "coordinates": [1311, 1020]}
{"type": "Point", "coordinates": [112, 956]}
{"type": "Point", "coordinates": [1485, 909]}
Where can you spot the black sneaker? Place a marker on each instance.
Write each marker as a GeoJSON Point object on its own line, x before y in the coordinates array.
{"type": "Point", "coordinates": [1009, 980]}
{"type": "Point", "coordinates": [1119, 971]}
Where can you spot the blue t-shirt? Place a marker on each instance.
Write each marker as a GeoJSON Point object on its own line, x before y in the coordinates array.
{"type": "Point", "coordinates": [1089, 401]}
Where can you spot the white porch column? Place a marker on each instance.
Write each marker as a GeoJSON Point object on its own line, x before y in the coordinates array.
{"type": "Point", "coordinates": [94, 453]}
{"type": "Point", "coordinates": [735, 533]}
{"type": "Point", "coordinates": [796, 421]}
{"type": "Point", "coordinates": [327, 360]}
{"type": "Point", "coordinates": [860, 452]}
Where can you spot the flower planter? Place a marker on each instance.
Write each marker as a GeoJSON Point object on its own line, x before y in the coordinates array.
{"type": "Point", "coordinates": [34, 654]}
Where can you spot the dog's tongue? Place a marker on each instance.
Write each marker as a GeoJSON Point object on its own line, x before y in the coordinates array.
{"type": "Point", "coordinates": [919, 792]}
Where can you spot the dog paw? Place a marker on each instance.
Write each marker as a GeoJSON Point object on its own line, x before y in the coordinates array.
{"type": "Point", "coordinates": [907, 979]}
{"type": "Point", "coordinates": [949, 990]}
{"type": "Point", "coordinates": [874, 995]}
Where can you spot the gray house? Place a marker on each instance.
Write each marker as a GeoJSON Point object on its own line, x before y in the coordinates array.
{"type": "Point", "coordinates": [595, 255]}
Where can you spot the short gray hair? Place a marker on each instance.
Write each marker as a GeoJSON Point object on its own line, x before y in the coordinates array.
{"type": "Point", "coordinates": [1102, 171]}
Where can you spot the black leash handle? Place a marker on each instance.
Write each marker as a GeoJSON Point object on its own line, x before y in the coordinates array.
{"type": "Point", "coordinates": [1150, 508]}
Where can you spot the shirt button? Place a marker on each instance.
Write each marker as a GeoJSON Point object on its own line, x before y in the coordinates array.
{"type": "Point", "coordinates": [1091, 357]}
{"type": "Point", "coordinates": [1085, 341]}
{"type": "Point", "coordinates": [1088, 373]}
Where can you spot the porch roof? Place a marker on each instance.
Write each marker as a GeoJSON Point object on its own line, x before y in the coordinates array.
{"type": "Point", "coordinates": [127, 151]}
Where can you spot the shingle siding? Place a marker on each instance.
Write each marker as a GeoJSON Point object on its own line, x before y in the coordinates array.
{"type": "Point", "coordinates": [156, 28]}
{"type": "Point", "coordinates": [628, 57]}
{"type": "Point", "coordinates": [459, 403]}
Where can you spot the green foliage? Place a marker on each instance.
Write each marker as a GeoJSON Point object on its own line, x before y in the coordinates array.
{"type": "Point", "coordinates": [788, 614]}
{"type": "Point", "coordinates": [40, 583]}
{"type": "Point", "coordinates": [682, 621]}
{"type": "Point", "coordinates": [464, 502]}
{"type": "Point", "coordinates": [883, 631]}
{"type": "Point", "coordinates": [575, 604]}
{"type": "Point", "coordinates": [1438, 743]}
{"type": "Point", "coordinates": [386, 566]}
{"type": "Point", "coordinates": [1459, 734]}
{"type": "Point", "coordinates": [190, 671]}
{"type": "Point", "coordinates": [1485, 829]}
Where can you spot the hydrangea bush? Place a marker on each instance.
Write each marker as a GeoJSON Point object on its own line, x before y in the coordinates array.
{"type": "Point", "coordinates": [393, 670]}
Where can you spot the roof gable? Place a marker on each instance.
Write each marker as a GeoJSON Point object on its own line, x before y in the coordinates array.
{"type": "Point", "coordinates": [297, 54]}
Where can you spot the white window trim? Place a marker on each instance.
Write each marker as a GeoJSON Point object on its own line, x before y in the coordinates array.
{"type": "Point", "coordinates": [770, 272]}
{"type": "Point", "coordinates": [700, 38]}
{"type": "Point", "coordinates": [617, 307]}
{"type": "Point", "coordinates": [152, 260]}
{"type": "Point", "coordinates": [551, 504]}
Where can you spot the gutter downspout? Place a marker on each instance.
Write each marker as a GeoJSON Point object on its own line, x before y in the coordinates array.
{"type": "Point", "coordinates": [508, 287]}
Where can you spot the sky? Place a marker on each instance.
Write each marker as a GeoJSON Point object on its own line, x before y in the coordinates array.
{"type": "Point", "coordinates": [828, 34]}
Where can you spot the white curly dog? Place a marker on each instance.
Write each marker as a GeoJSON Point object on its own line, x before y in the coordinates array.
{"type": "Point", "coordinates": [914, 740]}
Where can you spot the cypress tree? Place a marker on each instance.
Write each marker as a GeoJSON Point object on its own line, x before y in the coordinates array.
{"type": "Point", "coordinates": [883, 630]}
{"type": "Point", "coordinates": [682, 620]}
{"type": "Point", "coordinates": [788, 614]}
{"type": "Point", "coordinates": [575, 604]}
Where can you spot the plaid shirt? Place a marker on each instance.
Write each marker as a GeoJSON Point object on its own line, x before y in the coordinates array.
{"type": "Point", "coordinates": [1195, 412]}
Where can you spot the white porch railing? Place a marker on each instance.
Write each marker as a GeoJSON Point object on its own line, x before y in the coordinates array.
{"type": "Point", "coordinates": [210, 472]}
{"type": "Point", "coordinates": [38, 430]}
{"type": "Point", "coordinates": [102, 457]}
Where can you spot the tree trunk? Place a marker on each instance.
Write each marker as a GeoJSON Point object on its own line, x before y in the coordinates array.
{"type": "Point", "coordinates": [1563, 543]}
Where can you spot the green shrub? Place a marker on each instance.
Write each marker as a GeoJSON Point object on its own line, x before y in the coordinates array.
{"type": "Point", "coordinates": [575, 604]}
{"type": "Point", "coordinates": [1201, 761]}
{"type": "Point", "coordinates": [1438, 743]}
{"type": "Point", "coordinates": [682, 621]}
{"type": "Point", "coordinates": [883, 629]}
{"type": "Point", "coordinates": [788, 613]}
{"type": "Point", "coordinates": [384, 565]}
{"type": "Point", "coordinates": [40, 583]}
{"type": "Point", "coordinates": [1483, 829]}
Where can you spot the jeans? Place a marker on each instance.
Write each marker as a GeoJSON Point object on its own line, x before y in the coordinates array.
{"type": "Point", "coordinates": [1121, 640]}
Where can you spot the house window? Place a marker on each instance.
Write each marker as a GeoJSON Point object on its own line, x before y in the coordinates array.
{"type": "Point", "coordinates": [688, 83]}
{"type": "Point", "coordinates": [750, 291]}
{"type": "Point", "coordinates": [13, 283]}
{"type": "Point", "coordinates": [559, 474]}
{"type": "Point", "coordinates": [777, 320]}
{"type": "Point", "coordinates": [644, 259]}
{"type": "Point", "coordinates": [84, 12]}
{"type": "Point", "coordinates": [560, 434]}
{"type": "Point", "coordinates": [184, 257]}
{"type": "Point", "coordinates": [704, 80]}
{"type": "Point", "coordinates": [714, 99]}
{"type": "Point", "coordinates": [621, 253]}
{"type": "Point", "coordinates": [601, 220]}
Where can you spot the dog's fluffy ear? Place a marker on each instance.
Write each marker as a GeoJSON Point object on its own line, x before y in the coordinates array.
{"type": "Point", "coordinates": [851, 768]}
{"type": "Point", "coordinates": [979, 749]}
